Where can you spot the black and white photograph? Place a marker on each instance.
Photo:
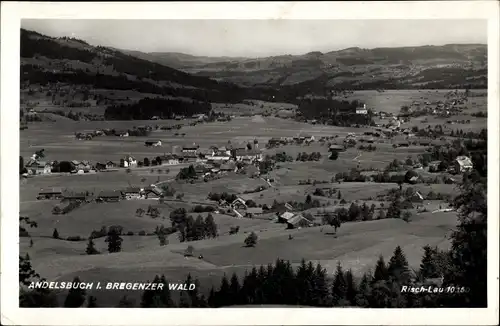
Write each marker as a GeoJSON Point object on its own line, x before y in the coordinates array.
{"type": "Point", "coordinates": [258, 163]}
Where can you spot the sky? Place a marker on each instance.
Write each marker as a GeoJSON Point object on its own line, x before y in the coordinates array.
{"type": "Point", "coordinates": [258, 38]}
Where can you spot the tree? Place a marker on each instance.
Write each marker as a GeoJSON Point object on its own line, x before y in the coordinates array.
{"type": "Point", "coordinates": [91, 250]}
{"type": "Point", "coordinates": [251, 240]}
{"type": "Point", "coordinates": [339, 195]}
{"type": "Point", "coordinates": [76, 296]}
{"type": "Point", "coordinates": [332, 220]}
{"type": "Point", "coordinates": [146, 161]}
{"type": "Point", "coordinates": [126, 302]}
{"type": "Point", "coordinates": [469, 246]}
{"type": "Point", "coordinates": [249, 146]}
{"type": "Point", "coordinates": [223, 295]}
{"type": "Point", "coordinates": [308, 199]}
{"type": "Point", "coordinates": [234, 289]}
{"type": "Point", "coordinates": [114, 241]}
{"type": "Point", "coordinates": [428, 265]}
{"type": "Point", "coordinates": [339, 289]}
{"type": "Point", "coordinates": [363, 295]}
{"type": "Point", "coordinates": [55, 234]}
{"type": "Point", "coordinates": [407, 216]}
{"type": "Point", "coordinates": [381, 273]}
{"type": "Point", "coordinates": [394, 210]}
{"type": "Point", "coordinates": [334, 156]}
{"type": "Point", "coordinates": [162, 237]}
{"type": "Point", "coordinates": [398, 266]}
{"type": "Point", "coordinates": [210, 226]}
{"type": "Point", "coordinates": [351, 288]}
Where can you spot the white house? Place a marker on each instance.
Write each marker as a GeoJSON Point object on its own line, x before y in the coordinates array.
{"type": "Point", "coordinates": [129, 162]}
{"type": "Point", "coordinates": [169, 160]}
{"type": "Point", "coordinates": [463, 164]}
{"type": "Point", "coordinates": [190, 149]}
{"type": "Point", "coordinates": [362, 110]}
{"type": "Point", "coordinates": [248, 155]}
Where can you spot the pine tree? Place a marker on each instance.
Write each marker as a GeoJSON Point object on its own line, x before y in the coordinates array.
{"type": "Point", "coordinates": [162, 237]}
{"type": "Point", "coordinates": [398, 266]}
{"type": "Point", "coordinates": [184, 300]}
{"type": "Point", "coordinates": [224, 293]}
{"type": "Point", "coordinates": [428, 266]}
{"type": "Point", "coordinates": [55, 234]}
{"type": "Point", "coordinates": [126, 302]}
{"type": "Point", "coordinates": [75, 297]}
{"type": "Point", "coordinates": [210, 226]}
{"type": "Point", "coordinates": [211, 298]}
{"type": "Point", "coordinates": [199, 228]}
{"type": "Point", "coordinates": [364, 291]}
{"type": "Point", "coordinates": [92, 302]}
{"type": "Point", "coordinates": [339, 195]}
{"type": "Point", "coordinates": [394, 210]}
{"type": "Point", "coordinates": [381, 273]}
{"type": "Point", "coordinates": [234, 289]}
{"type": "Point", "coordinates": [114, 242]}
{"type": "Point", "coordinates": [352, 290]}
{"type": "Point", "coordinates": [91, 250]}
{"type": "Point", "coordinates": [320, 287]}
{"type": "Point", "coordinates": [339, 289]}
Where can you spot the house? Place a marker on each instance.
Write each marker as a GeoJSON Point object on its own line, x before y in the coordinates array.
{"type": "Point", "coordinates": [152, 192]}
{"type": "Point", "coordinates": [132, 192]}
{"type": "Point", "coordinates": [463, 164]}
{"type": "Point", "coordinates": [228, 167]}
{"type": "Point", "coordinates": [201, 170]}
{"type": "Point", "coordinates": [298, 220]}
{"type": "Point", "coordinates": [169, 160]}
{"type": "Point", "coordinates": [190, 149]}
{"type": "Point", "coordinates": [129, 161]}
{"type": "Point", "coordinates": [188, 157]}
{"type": "Point", "coordinates": [306, 137]}
{"type": "Point", "coordinates": [110, 165]}
{"type": "Point", "coordinates": [283, 218]}
{"type": "Point", "coordinates": [152, 142]}
{"type": "Point", "coordinates": [336, 148]}
{"type": "Point", "coordinates": [289, 207]}
{"type": "Point", "coordinates": [38, 167]}
{"type": "Point", "coordinates": [52, 193]}
{"type": "Point", "coordinates": [109, 196]}
{"type": "Point", "coordinates": [253, 211]}
{"type": "Point", "coordinates": [248, 155]}
{"type": "Point", "coordinates": [362, 110]}
{"type": "Point", "coordinates": [75, 196]}
{"type": "Point", "coordinates": [239, 203]}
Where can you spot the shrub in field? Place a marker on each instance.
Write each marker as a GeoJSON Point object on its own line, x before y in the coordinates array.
{"type": "Point", "coordinates": [251, 240]}
{"type": "Point", "coordinates": [99, 234]}
{"type": "Point", "coordinates": [189, 251]}
{"type": "Point", "coordinates": [114, 241]}
{"type": "Point", "coordinates": [55, 234]}
{"type": "Point", "coordinates": [130, 233]}
{"type": "Point", "coordinates": [142, 233]}
{"type": "Point", "coordinates": [91, 250]}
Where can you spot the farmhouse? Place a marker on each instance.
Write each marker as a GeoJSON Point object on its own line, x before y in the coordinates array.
{"type": "Point", "coordinates": [53, 193]}
{"type": "Point", "coordinates": [38, 167]}
{"type": "Point", "coordinates": [239, 203]}
{"type": "Point", "coordinates": [283, 218]}
{"type": "Point", "coordinates": [75, 196]}
{"type": "Point", "coordinates": [110, 165]}
{"type": "Point", "coordinates": [228, 167]}
{"type": "Point", "coordinates": [253, 211]}
{"type": "Point", "coordinates": [248, 155]}
{"type": "Point", "coordinates": [463, 164]}
{"type": "Point", "coordinates": [190, 149]}
{"type": "Point", "coordinates": [152, 192]}
{"type": "Point", "coordinates": [362, 110]}
{"type": "Point", "coordinates": [129, 161]}
{"type": "Point", "coordinates": [109, 196]}
{"type": "Point", "coordinates": [152, 142]}
{"type": "Point", "coordinates": [297, 221]}
{"type": "Point", "coordinates": [169, 159]}
{"type": "Point", "coordinates": [132, 192]}
{"type": "Point", "coordinates": [336, 148]}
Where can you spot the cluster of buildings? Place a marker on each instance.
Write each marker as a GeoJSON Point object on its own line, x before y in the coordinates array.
{"type": "Point", "coordinates": [150, 192]}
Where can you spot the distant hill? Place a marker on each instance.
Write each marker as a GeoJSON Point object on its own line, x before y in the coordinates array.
{"type": "Point", "coordinates": [69, 74]}
{"type": "Point", "coordinates": [365, 65]}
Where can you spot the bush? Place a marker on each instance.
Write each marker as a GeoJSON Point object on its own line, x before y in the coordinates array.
{"type": "Point", "coordinates": [142, 233]}
{"type": "Point", "coordinates": [130, 233]}
{"type": "Point", "coordinates": [251, 240]}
